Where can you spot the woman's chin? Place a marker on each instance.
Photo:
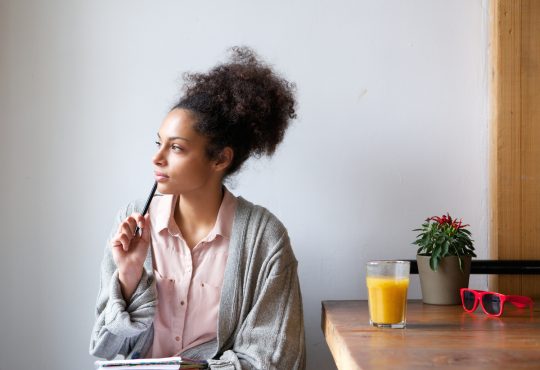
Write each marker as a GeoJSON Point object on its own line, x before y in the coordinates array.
{"type": "Point", "coordinates": [164, 189]}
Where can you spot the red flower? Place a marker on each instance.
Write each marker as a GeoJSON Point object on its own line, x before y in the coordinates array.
{"type": "Point", "coordinates": [447, 220]}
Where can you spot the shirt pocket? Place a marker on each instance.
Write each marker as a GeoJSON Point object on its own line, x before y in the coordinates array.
{"type": "Point", "coordinates": [165, 291]}
{"type": "Point", "coordinates": [207, 297]}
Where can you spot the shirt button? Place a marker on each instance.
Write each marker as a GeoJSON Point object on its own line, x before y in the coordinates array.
{"type": "Point", "coordinates": [177, 339]}
{"type": "Point", "coordinates": [182, 303]}
{"type": "Point", "coordinates": [202, 284]}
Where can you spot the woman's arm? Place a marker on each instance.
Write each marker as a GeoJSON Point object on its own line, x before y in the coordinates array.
{"type": "Point", "coordinates": [271, 335]}
{"type": "Point", "coordinates": [121, 327]}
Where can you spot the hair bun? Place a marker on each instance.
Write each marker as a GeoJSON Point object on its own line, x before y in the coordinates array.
{"type": "Point", "coordinates": [242, 104]}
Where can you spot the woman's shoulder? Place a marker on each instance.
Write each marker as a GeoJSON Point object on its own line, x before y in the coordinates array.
{"type": "Point", "coordinates": [259, 214]}
{"type": "Point", "coordinates": [258, 220]}
{"type": "Point", "coordinates": [264, 236]}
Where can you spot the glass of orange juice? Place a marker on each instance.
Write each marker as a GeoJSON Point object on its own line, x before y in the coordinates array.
{"type": "Point", "coordinates": [387, 283]}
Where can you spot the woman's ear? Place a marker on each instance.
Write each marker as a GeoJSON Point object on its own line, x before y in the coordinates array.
{"type": "Point", "coordinates": [224, 159]}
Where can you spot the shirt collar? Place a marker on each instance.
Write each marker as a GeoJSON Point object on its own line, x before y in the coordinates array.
{"type": "Point", "coordinates": [223, 226]}
{"type": "Point", "coordinates": [165, 213]}
{"type": "Point", "coordinates": [225, 217]}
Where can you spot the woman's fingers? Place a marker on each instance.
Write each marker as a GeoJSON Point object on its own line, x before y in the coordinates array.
{"type": "Point", "coordinates": [130, 250]}
{"type": "Point", "coordinates": [125, 240]}
{"type": "Point", "coordinates": [139, 219]}
{"type": "Point", "coordinates": [126, 231]}
{"type": "Point", "coordinates": [116, 241]}
{"type": "Point", "coordinates": [130, 223]}
{"type": "Point", "coordinates": [145, 223]}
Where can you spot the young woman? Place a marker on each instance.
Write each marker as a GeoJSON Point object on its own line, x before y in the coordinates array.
{"type": "Point", "coordinates": [211, 276]}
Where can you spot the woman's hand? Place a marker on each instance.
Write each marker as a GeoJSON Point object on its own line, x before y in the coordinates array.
{"type": "Point", "coordinates": [129, 251]}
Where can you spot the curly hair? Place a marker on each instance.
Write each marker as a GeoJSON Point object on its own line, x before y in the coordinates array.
{"type": "Point", "coordinates": [242, 104]}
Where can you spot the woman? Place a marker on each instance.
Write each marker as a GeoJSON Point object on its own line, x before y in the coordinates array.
{"type": "Point", "coordinates": [210, 276]}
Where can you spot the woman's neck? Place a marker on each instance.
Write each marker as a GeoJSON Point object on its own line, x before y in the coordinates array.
{"type": "Point", "coordinates": [196, 213]}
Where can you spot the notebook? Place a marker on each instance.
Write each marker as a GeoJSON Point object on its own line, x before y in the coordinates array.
{"type": "Point", "coordinates": [166, 363]}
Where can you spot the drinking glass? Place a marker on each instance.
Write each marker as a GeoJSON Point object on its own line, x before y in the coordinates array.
{"type": "Point", "coordinates": [387, 283]}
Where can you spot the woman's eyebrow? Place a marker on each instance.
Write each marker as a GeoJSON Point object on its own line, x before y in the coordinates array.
{"type": "Point", "coordinates": [174, 138]}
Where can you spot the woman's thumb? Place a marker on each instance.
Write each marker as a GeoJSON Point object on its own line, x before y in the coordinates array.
{"type": "Point", "coordinates": [145, 236]}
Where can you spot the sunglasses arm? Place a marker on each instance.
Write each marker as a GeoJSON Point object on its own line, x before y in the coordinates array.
{"type": "Point", "coordinates": [520, 301]}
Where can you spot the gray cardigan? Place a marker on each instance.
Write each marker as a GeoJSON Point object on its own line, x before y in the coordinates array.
{"type": "Point", "coordinates": [260, 320]}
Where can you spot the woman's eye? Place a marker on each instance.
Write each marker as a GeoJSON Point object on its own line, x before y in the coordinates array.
{"type": "Point", "coordinates": [158, 144]}
{"type": "Point", "coordinates": [176, 148]}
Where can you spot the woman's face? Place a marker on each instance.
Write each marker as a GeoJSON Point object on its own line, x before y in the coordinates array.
{"type": "Point", "coordinates": [181, 165]}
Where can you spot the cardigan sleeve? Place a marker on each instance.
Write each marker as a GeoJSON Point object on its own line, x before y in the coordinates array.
{"type": "Point", "coordinates": [272, 334]}
{"type": "Point", "coordinates": [121, 326]}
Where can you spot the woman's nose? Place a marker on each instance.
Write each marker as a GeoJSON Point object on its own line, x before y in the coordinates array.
{"type": "Point", "coordinates": [158, 159]}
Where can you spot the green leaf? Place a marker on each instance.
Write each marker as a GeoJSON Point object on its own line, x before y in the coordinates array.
{"type": "Point", "coordinates": [433, 263]}
{"type": "Point", "coordinates": [445, 247]}
{"type": "Point", "coordinates": [460, 263]}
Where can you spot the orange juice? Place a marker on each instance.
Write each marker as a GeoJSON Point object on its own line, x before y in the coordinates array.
{"type": "Point", "coordinates": [387, 297]}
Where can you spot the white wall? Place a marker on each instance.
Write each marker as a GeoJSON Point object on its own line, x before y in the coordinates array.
{"type": "Point", "coordinates": [392, 128]}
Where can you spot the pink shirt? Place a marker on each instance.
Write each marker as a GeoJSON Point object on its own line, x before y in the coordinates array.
{"type": "Point", "coordinates": [188, 281]}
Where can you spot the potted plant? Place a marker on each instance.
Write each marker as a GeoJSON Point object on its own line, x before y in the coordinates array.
{"type": "Point", "coordinates": [444, 259]}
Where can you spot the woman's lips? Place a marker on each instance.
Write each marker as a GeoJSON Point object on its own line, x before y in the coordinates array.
{"type": "Point", "coordinates": [160, 177]}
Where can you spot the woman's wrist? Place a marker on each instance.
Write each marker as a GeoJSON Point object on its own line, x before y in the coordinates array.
{"type": "Point", "coordinates": [129, 282]}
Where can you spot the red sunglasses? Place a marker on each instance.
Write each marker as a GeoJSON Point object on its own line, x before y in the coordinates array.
{"type": "Point", "coordinates": [492, 303]}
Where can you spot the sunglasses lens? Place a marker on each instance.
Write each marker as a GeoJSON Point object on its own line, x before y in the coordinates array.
{"type": "Point", "coordinates": [492, 303]}
{"type": "Point", "coordinates": [468, 300]}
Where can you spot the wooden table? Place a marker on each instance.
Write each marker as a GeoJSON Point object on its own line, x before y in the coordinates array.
{"type": "Point", "coordinates": [435, 336]}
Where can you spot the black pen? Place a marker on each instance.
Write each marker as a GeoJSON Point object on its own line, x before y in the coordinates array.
{"type": "Point", "coordinates": [147, 205]}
